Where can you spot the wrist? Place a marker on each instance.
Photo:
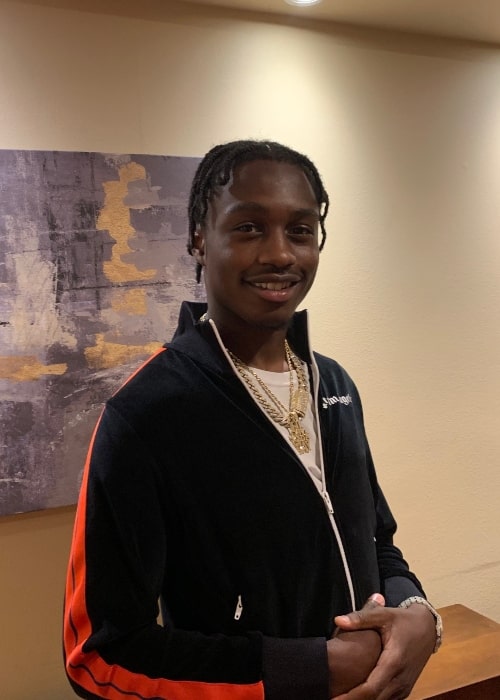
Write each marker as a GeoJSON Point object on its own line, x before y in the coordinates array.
{"type": "Point", "coordinates": [419, 600]}
{"type": "Point", "coordinates": [351, 658]}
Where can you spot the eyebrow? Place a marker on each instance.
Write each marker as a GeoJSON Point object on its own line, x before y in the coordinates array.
{"type": "Point", "coordinates": [259, 208]}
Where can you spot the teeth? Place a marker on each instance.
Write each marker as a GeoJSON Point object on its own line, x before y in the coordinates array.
{"type": "Point", "coordinates": [273, 286]}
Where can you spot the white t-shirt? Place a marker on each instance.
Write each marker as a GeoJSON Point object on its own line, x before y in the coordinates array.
{"type": "Point", "coordinates": [279, 383]}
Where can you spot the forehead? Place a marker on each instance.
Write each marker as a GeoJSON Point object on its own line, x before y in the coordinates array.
{"type": "Point", "coordinates": [268, 183]}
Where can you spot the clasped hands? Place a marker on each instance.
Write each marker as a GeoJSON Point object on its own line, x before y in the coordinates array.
{"type": "Point", "coordinates": [377, 653]}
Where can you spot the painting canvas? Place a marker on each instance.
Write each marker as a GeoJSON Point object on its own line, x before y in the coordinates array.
{"type": "Point", "coordinates": [93, 266]}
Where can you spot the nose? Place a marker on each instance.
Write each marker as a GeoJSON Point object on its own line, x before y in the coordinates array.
{"type": "Point", "coordinates": [276, 249]}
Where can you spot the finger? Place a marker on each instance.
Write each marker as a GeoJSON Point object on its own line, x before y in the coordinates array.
{"type": "Point", "coordinates": [371, 690]}
{"type": "Point", "coordinates": [361, 692]}
{"type": "Point", "coordinates": [396, 689]}
{"type": "Point", "coordinates": [372, 615]}
{"type": "Point", "coordinates": [384, 682]}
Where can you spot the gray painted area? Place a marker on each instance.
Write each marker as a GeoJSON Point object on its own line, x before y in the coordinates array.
{"type": "Point", "coordinates": [82, 304]}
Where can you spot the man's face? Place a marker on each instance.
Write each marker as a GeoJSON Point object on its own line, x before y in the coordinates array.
{"type": "Point", "coordinates": [259, 245]}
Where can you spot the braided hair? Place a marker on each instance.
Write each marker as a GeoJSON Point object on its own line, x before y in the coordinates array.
{"type": "Point", "coordinates": [215, 169]}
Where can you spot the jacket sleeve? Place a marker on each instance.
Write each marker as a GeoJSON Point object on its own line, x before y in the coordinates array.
{"type": "Point", "coordinates": [397, 581]}
{"type": "Point", "coordinates": [114, 645]}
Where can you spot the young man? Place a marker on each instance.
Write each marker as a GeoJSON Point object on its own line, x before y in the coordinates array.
{"type": "Point", "coordinates": [231, 479]}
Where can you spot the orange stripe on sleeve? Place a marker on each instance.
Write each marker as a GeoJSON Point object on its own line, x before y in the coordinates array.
{"type": "Point", "coordinates": [120, 684]}
{"type": "Point", "coordinates": [76, 622]}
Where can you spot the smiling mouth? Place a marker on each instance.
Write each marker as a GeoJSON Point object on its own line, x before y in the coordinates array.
{"type": "Point", "coordinates": [273, 286]}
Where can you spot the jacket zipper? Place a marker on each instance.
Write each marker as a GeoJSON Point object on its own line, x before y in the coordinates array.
{"type": "Point", "coordinates": [239, 609]}
{"type": "Point", "coordinates": [328, 503]}
{"type": "Point", "coordinates": [326, 496]}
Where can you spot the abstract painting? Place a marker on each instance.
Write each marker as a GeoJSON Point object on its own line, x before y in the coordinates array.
{"type": "Point", "coordinates": [93, 266]}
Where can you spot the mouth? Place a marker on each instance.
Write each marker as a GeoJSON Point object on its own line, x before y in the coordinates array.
{"type": "Point", "coordinates": [273, 286]}
{"type": "Point", "coordinates": [275, 290]}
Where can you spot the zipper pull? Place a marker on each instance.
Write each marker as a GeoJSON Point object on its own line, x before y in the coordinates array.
{"type": "Point", "coordinates": [239, 609]}
{"type": "Point", "coordinates": [328, 503]}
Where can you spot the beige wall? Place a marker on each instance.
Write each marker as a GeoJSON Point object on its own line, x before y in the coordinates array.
{"type": "Point", "coordinates": [406, 132]}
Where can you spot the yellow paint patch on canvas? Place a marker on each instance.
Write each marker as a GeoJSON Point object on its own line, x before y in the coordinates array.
{"type": "Point", "coordinates": [27, 368]}
{"type": "Point", "coordinates": [104, 355]}
{"type": "Point", "coordinates": [115, 217]}
{"type": "Point", "coordinates": [130, 301]}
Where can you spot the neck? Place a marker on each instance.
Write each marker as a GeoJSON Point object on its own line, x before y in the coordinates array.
{"type": "Point", "coordinates": [263, 349]}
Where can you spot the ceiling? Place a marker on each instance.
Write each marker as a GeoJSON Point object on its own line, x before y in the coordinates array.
{"type": "Point", "coordinates": [478, 20]}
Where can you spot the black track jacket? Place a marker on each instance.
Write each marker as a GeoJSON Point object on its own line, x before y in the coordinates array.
{"type": "Point", "coordinates": [191, 496]}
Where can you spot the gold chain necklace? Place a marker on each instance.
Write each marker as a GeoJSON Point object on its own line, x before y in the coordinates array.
{"type": "Point", "coordinates": [299, 398]}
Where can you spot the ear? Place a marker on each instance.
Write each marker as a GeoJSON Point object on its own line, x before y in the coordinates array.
{"type": "Point", "coordinates": [199, 246]}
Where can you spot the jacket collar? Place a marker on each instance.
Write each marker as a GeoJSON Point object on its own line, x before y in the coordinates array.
{"type": "Point", "coordinates": [195, 338]}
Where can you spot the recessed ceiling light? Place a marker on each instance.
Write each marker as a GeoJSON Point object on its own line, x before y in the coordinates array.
{"type": "Point", "coordinates": [301, 3]}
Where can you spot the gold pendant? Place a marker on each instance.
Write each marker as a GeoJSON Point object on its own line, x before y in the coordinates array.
{"type": "Point", "coordinates": [298, 435]}
{"type": "Point", "coordinates": [299, 401]}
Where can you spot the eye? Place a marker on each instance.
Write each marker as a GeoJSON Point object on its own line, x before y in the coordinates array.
{"type": "Point", "coordinates": [302, 230]}
{"type": "Point", "coordinates": [248, 227]}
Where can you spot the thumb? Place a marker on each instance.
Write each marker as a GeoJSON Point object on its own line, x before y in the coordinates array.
{"type": "Point", "coordinates": [377, 598]}
{"type": "Point", "coordinates": [357, 619]}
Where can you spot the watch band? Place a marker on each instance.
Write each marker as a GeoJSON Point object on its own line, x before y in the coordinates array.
{"type": "Point", "coordinates": [437, 617]}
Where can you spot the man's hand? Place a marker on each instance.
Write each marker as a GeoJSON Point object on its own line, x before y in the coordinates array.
{"type": "Point", "coordinates": [352, 655]}
{"type": "Point", "coordinates": [408, 638]}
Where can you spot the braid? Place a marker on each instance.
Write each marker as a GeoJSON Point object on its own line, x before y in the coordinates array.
{"type": "Point", "coordinates": [214, 171]}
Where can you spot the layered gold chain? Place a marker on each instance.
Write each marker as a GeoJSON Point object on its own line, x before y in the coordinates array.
{"type": "Point", "coordinates": [299, 398]}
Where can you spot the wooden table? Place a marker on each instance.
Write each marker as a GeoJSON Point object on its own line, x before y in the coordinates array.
{"type": "Point", "coordinates": [467, 667]}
